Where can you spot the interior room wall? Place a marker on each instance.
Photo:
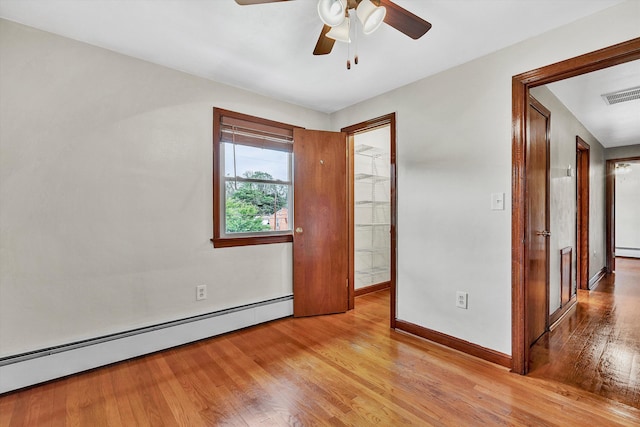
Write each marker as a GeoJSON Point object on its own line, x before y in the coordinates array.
{"type": "Point", "coordinates": [106, 194]}
{"type": "Point", "coordinates": [562, 198]}
{"type": "Point", "coordinates": [453, 152]}
{"type": "Point", "coordinates": [597, 214]}
{"type": "Point", "coordinates": [627, 211]}
{"type": "Point", "coordinates": [623, 152]}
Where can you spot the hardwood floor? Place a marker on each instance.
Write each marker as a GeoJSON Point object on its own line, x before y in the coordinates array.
{"type": "Point", "coordinates": [597, 347]}
{"type": "Point", "coordinates": [345, 369]}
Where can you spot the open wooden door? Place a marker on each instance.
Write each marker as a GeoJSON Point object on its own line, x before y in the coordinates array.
{"type": "Point", "coordinates": [320, 215]}
{"type": "Point", "coordinates": [537, 217]}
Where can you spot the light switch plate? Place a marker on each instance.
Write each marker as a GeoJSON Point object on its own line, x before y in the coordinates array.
{"type": "Point", "coordinates": [497, 201]}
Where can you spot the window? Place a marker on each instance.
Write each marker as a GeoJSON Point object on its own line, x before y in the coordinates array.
{"type": "Point", "coordinates": [252, 180]}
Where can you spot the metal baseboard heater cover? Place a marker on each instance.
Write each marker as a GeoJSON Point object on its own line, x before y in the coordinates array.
{"type": "Point", "coordinates": [22, 370]}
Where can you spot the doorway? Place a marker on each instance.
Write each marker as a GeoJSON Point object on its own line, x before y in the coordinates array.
{"type": "Point", "coordinates": [614, 168]}
{"type": "Point", "coordinates": [372, 207]}
{"type": "Point", "coordinates": [607, 57]}
{"type": "Point", "coordinates": [582, 212]}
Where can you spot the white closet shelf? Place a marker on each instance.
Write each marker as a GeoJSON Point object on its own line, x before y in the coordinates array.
{"type": "Point", "coordinates": [368, 150]}
{"type": "Point", "coordinates": [372, 250]}
{"type": "Point", "coordinates": [372, 271]}
{"type": "Point", "coordinates": [371, 222]}
{"type": "Point", "coordinates": [367, 177]}
{"type": "Point", "coordinates": [369, 203]}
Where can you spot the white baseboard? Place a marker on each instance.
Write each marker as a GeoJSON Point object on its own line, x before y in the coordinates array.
{"type": "Point", "coordinates": [628, 252]}
{"type": "Point", "coordinates": [32, 368]}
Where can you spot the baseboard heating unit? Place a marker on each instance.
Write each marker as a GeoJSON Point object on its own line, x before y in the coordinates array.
{"type": "Point", "coordinates": [35, 367]}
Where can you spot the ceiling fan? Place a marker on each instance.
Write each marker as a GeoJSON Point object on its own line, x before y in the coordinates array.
{"type": "Point", "coordinates": [335, 15]}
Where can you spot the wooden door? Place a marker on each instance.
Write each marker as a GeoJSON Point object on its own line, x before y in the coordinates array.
{"type": "Point", "coordinates": [320, 241]}
{"type": "Point", "coordinates": [537, 217]}
{"type": "Point", "coordinates": [582, 213]}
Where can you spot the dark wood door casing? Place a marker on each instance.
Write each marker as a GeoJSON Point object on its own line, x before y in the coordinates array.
{"type": "Point", "coordinates": [320, 241]}
{"type": "Point", "coordinates": [582, 212]}
{"type": "Point", "coordinates": [537, 214]}
{"type": "Point", "coordinates": [521, 83]}
{"type": "Point", "coordinates": [610, 216]}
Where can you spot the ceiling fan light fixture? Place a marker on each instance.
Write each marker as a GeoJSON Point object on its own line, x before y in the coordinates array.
{"type": "Point", "coordinates": [370, 15]}
{"type": "Point", "coordinates": [332, 12]}
{"type": "Point", "coordinates": [622, 168]}
{"type": "Point", "coordinates": [340, 32]}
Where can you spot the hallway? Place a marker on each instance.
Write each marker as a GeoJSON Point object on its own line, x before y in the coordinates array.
{"type": "Point", "coordinates": [597, 347]}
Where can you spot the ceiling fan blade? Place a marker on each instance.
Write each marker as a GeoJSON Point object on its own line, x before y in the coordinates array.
{"type": "Point", "coordinates": [325, 44]}
{"type": "Point", "coordinates": [404, 21]}
{"type": "Point", "coordinates": [250, 2]}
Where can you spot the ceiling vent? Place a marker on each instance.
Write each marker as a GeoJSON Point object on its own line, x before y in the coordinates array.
{"type": "Point", "coordinates": [622, 96]}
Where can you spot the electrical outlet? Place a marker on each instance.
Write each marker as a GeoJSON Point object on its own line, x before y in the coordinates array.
{"type": "Point", "coordinates": [461, 299]}
{"type": "Point", "coordinates": [201, 292]}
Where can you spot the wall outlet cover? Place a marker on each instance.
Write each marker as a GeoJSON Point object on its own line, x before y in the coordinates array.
{"type": "Point", "coordinates": [462, 299]}
{"type": "Point", "coordinates": [201, 292]}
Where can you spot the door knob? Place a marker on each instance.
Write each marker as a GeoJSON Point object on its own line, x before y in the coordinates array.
{"type": "Point", "coordinates": [299, 230]}
{"type": "Point", "coordinates": [544, 233]}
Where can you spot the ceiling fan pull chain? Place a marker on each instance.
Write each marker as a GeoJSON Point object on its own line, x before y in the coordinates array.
{"type": "Point", "coordinates": [348, 41]}
{"type": "Point", "coordinates": [355, 37]}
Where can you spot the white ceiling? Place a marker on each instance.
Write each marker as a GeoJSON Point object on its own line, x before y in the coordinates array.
{"type": "Point", "coordinates": [613, 125]}
{"type": "Point", "coordinates": [268, 48]}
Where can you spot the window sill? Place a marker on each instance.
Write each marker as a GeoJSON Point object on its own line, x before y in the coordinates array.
{"type": "Point", "coordinates": [229, 242]}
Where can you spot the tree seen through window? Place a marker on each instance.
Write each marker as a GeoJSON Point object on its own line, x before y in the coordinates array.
{"type": "Point", "coordinates": [256, 203]}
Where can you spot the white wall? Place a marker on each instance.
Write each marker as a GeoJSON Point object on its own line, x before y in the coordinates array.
{"type": "Point", "coordinates": [623, 152]}
{"type": "Point", "coordinates": [562, 197]}
{"type": "Point", "coordinates": [597, 214]}
{"type": "Point", "coordinates": [627, 211]}
{"type": "Point", "coordinates": [105, 194]}
{"type": "Point", "coordinates": [453, 151]}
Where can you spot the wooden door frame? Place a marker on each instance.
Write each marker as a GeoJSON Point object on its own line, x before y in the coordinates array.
{"type": "Point", "coordinates": [610, 215]}
{"type": "Point", "coordinates": [390, 120]}
{"type": "Point", "coordinates": [583, 161]}
{"type": "Point", "coordinates": [521, 83]}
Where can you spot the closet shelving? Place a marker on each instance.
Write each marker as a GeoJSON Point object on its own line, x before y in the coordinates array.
{"type": "Point", "coordinates": [372, 206]}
